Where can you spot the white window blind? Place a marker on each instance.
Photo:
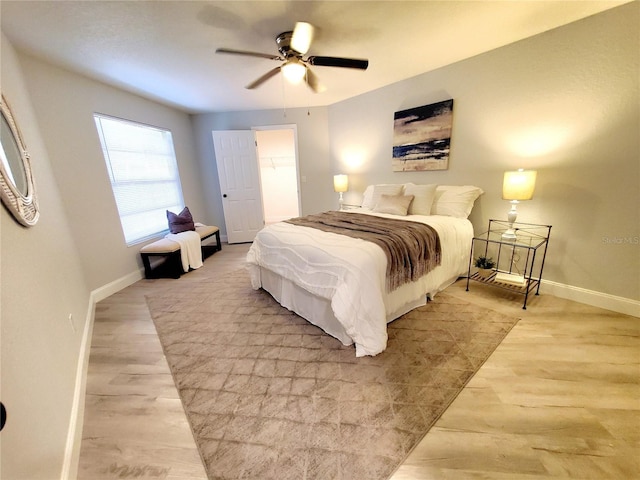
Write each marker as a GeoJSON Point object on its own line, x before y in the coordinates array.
{"type": "Point", "coordinates": [144, 175]}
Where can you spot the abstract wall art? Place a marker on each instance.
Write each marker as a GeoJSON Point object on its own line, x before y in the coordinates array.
{"type": "Point", "coordinates": [422, 137]}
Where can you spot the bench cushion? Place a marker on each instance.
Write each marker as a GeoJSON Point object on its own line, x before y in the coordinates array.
{"type": "Point", "coordinates": [206, 231]}
{"type": "Point", "coordinates": [164, 245]}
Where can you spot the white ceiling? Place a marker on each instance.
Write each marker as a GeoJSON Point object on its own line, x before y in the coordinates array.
{"type": "Point", "coordinates": [164, 50]}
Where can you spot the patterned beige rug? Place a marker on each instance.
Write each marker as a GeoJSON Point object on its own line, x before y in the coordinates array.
{"type": "Point", "coordinates": [270, 396]}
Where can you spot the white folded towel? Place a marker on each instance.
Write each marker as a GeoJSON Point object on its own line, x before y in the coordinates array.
{"type": "Point", "coordinates": [190, 251]}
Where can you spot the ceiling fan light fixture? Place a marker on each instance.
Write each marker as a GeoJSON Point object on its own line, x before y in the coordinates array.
{"type": "Point", "coordinates": [302, 37]}
{"type": "Point", "coordinates": [292, 46]}
{"type": "Point", "coordinates": [294, 71]}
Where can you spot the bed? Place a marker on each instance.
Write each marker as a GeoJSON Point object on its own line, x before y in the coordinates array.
{"type": "Point", "coordinates": [339, 283]}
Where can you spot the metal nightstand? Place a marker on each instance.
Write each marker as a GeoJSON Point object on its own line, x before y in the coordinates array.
{"type": "Point", "coordinates": [519, 262]}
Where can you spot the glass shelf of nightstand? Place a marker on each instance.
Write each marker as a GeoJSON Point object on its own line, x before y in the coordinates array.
{"type": "Point", "coordinates": [528, 235]}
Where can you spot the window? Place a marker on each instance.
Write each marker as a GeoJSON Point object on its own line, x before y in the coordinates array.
{"type": "Point", "coordinates": [144, 175]}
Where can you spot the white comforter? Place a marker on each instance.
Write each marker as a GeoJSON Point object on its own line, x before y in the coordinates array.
{"type": "Point", "coordinates": [350, 273]}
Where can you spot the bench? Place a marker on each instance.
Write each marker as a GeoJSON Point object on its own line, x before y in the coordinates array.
{"type": "Point", "coordinates": [170, 250]}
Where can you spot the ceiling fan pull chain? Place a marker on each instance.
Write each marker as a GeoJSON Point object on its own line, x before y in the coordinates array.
{"type": "Point", "coordinates": [306, 80]}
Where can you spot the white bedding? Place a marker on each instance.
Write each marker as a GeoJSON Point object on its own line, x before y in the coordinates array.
{"type": "Point", "coordinates": [350, 273]}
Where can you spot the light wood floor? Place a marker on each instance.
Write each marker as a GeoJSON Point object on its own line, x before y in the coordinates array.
{"type": "Point", "coordinates": [559, 398]}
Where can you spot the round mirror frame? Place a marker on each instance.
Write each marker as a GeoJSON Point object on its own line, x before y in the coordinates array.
{"type": "Point", "coordinates": [23, 206]}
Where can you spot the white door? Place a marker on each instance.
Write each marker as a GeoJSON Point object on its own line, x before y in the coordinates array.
{"type": "Point", "coordinates": [237, 164]}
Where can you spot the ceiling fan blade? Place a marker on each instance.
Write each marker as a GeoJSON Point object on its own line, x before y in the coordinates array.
{"type": "Point", "coordinates": [302, 37]}
{"type": "Point", "coordinates": [263, 78]}
{"type": "Point", "coordinates": [360, 64]}
{"type": "Point", "coordinates": [248, 54]}
{"type": "Point", "coordinates": [313, 81]}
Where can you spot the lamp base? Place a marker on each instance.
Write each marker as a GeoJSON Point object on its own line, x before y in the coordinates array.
{"type": "Point", "coordinates": [509, 235]}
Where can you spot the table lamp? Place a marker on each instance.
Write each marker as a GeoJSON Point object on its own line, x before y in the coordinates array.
{"type": "Point", "coordinates": [517, 186]}
{"type": "Point", "coordinates": [340, 185]}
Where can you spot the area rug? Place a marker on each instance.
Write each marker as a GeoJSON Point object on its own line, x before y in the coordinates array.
{"type": "Point", "coordinates": [270, 396]}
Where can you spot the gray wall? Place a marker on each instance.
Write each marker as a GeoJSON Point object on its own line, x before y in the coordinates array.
{"type": "Point", "coordinates": [565, 103]}
{"type": "Point", "coordinates": [65, 104]}
{"type": "Point", "coordinates": [42, 284]}
{"type": "Point", "coordinates": [50, 271]}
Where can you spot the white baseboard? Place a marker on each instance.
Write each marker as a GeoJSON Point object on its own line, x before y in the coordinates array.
{"type": "Point", "coordinates": [623, 305]}
{"type": "Point", "coordinates": [74, 434]}
{"type": "Point", "coordinates": [117, 285]}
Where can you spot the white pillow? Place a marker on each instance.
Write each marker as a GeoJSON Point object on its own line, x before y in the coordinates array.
{"type": "Point", "coordinates": [366, 197]}
{"type": "Point", "coordinates": [423, 198]}
{"type": "Point", "coordinates": [455, 201]}
{"type": "Point", "coordinates": [394, 204]}
{"type": "Point", "coordinates": [373, 192]}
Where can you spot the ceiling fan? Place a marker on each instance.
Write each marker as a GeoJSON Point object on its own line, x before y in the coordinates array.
{"type": "Point", "coordinates": [292, 47]}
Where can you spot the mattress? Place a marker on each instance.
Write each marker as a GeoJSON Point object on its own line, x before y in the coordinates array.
{"type": "Point", "coordinates": [338, 282]}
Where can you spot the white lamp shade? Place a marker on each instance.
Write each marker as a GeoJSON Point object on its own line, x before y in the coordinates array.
{"type": "Point", "coordinates": [294, 71]}
{"type": "Point", "coordinates": [519, 185]}
{"type": "Point", "coordinates": [302, 36]}
{"type": "Point", "coordinates": [340, 183]}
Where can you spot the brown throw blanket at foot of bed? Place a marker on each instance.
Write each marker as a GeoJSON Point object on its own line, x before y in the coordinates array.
{"type": "Point", "coordinates": [412, 248]}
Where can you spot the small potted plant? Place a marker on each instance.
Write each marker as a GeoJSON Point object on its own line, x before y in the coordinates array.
{"type": "Point", "coordinates": [485, 265]}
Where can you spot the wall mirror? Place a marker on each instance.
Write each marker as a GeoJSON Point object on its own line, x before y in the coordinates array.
{"type": "Point", "coordinates": [16, 178]}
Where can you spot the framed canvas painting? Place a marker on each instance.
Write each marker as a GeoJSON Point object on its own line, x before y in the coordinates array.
{"type": "Point", "coordinates": [422, 137]}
